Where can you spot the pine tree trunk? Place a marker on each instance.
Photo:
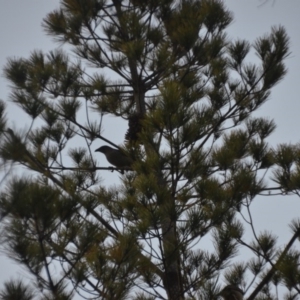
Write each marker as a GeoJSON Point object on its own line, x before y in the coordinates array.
{"type": "Point", "coordinates": [172, 280]}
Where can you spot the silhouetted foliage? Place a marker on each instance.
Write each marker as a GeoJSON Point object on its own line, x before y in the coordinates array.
{"type": "Point", "coordinates": [170, 226]}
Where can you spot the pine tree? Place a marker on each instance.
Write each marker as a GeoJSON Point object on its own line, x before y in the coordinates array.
{"type": "Point", "coordinates": [171, 227]}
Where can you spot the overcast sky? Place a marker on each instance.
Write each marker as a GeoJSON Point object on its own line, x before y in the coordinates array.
{"type": "Point", "coordinates": [21, 33]}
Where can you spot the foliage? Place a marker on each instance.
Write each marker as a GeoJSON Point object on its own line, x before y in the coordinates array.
{"type": "Point", "coordinates": [200, 156]}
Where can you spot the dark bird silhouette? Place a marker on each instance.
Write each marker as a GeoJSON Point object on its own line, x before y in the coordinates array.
{"type": "Point", "coordinates": [116, 157]}
{"type": "Point", "coordinates": [232, 292]}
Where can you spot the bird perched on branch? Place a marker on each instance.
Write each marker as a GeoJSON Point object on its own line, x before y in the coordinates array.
{"type": "Point", "coordinates": [116, 157]}
{"type": "Point", "coordinates": [232, 292]}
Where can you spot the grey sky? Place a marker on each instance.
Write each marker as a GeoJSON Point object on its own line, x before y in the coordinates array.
{"type": "Point", "coordinates": [21, 33]}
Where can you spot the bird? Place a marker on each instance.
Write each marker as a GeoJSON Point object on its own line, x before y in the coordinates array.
{"type": "Point", "coordinates": [232, 292]}
{"type": "Point", "coordinates": [116, 157]}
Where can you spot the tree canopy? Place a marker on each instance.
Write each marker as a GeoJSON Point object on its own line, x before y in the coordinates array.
{"type": "Point", "coordinates": [173, 224]}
